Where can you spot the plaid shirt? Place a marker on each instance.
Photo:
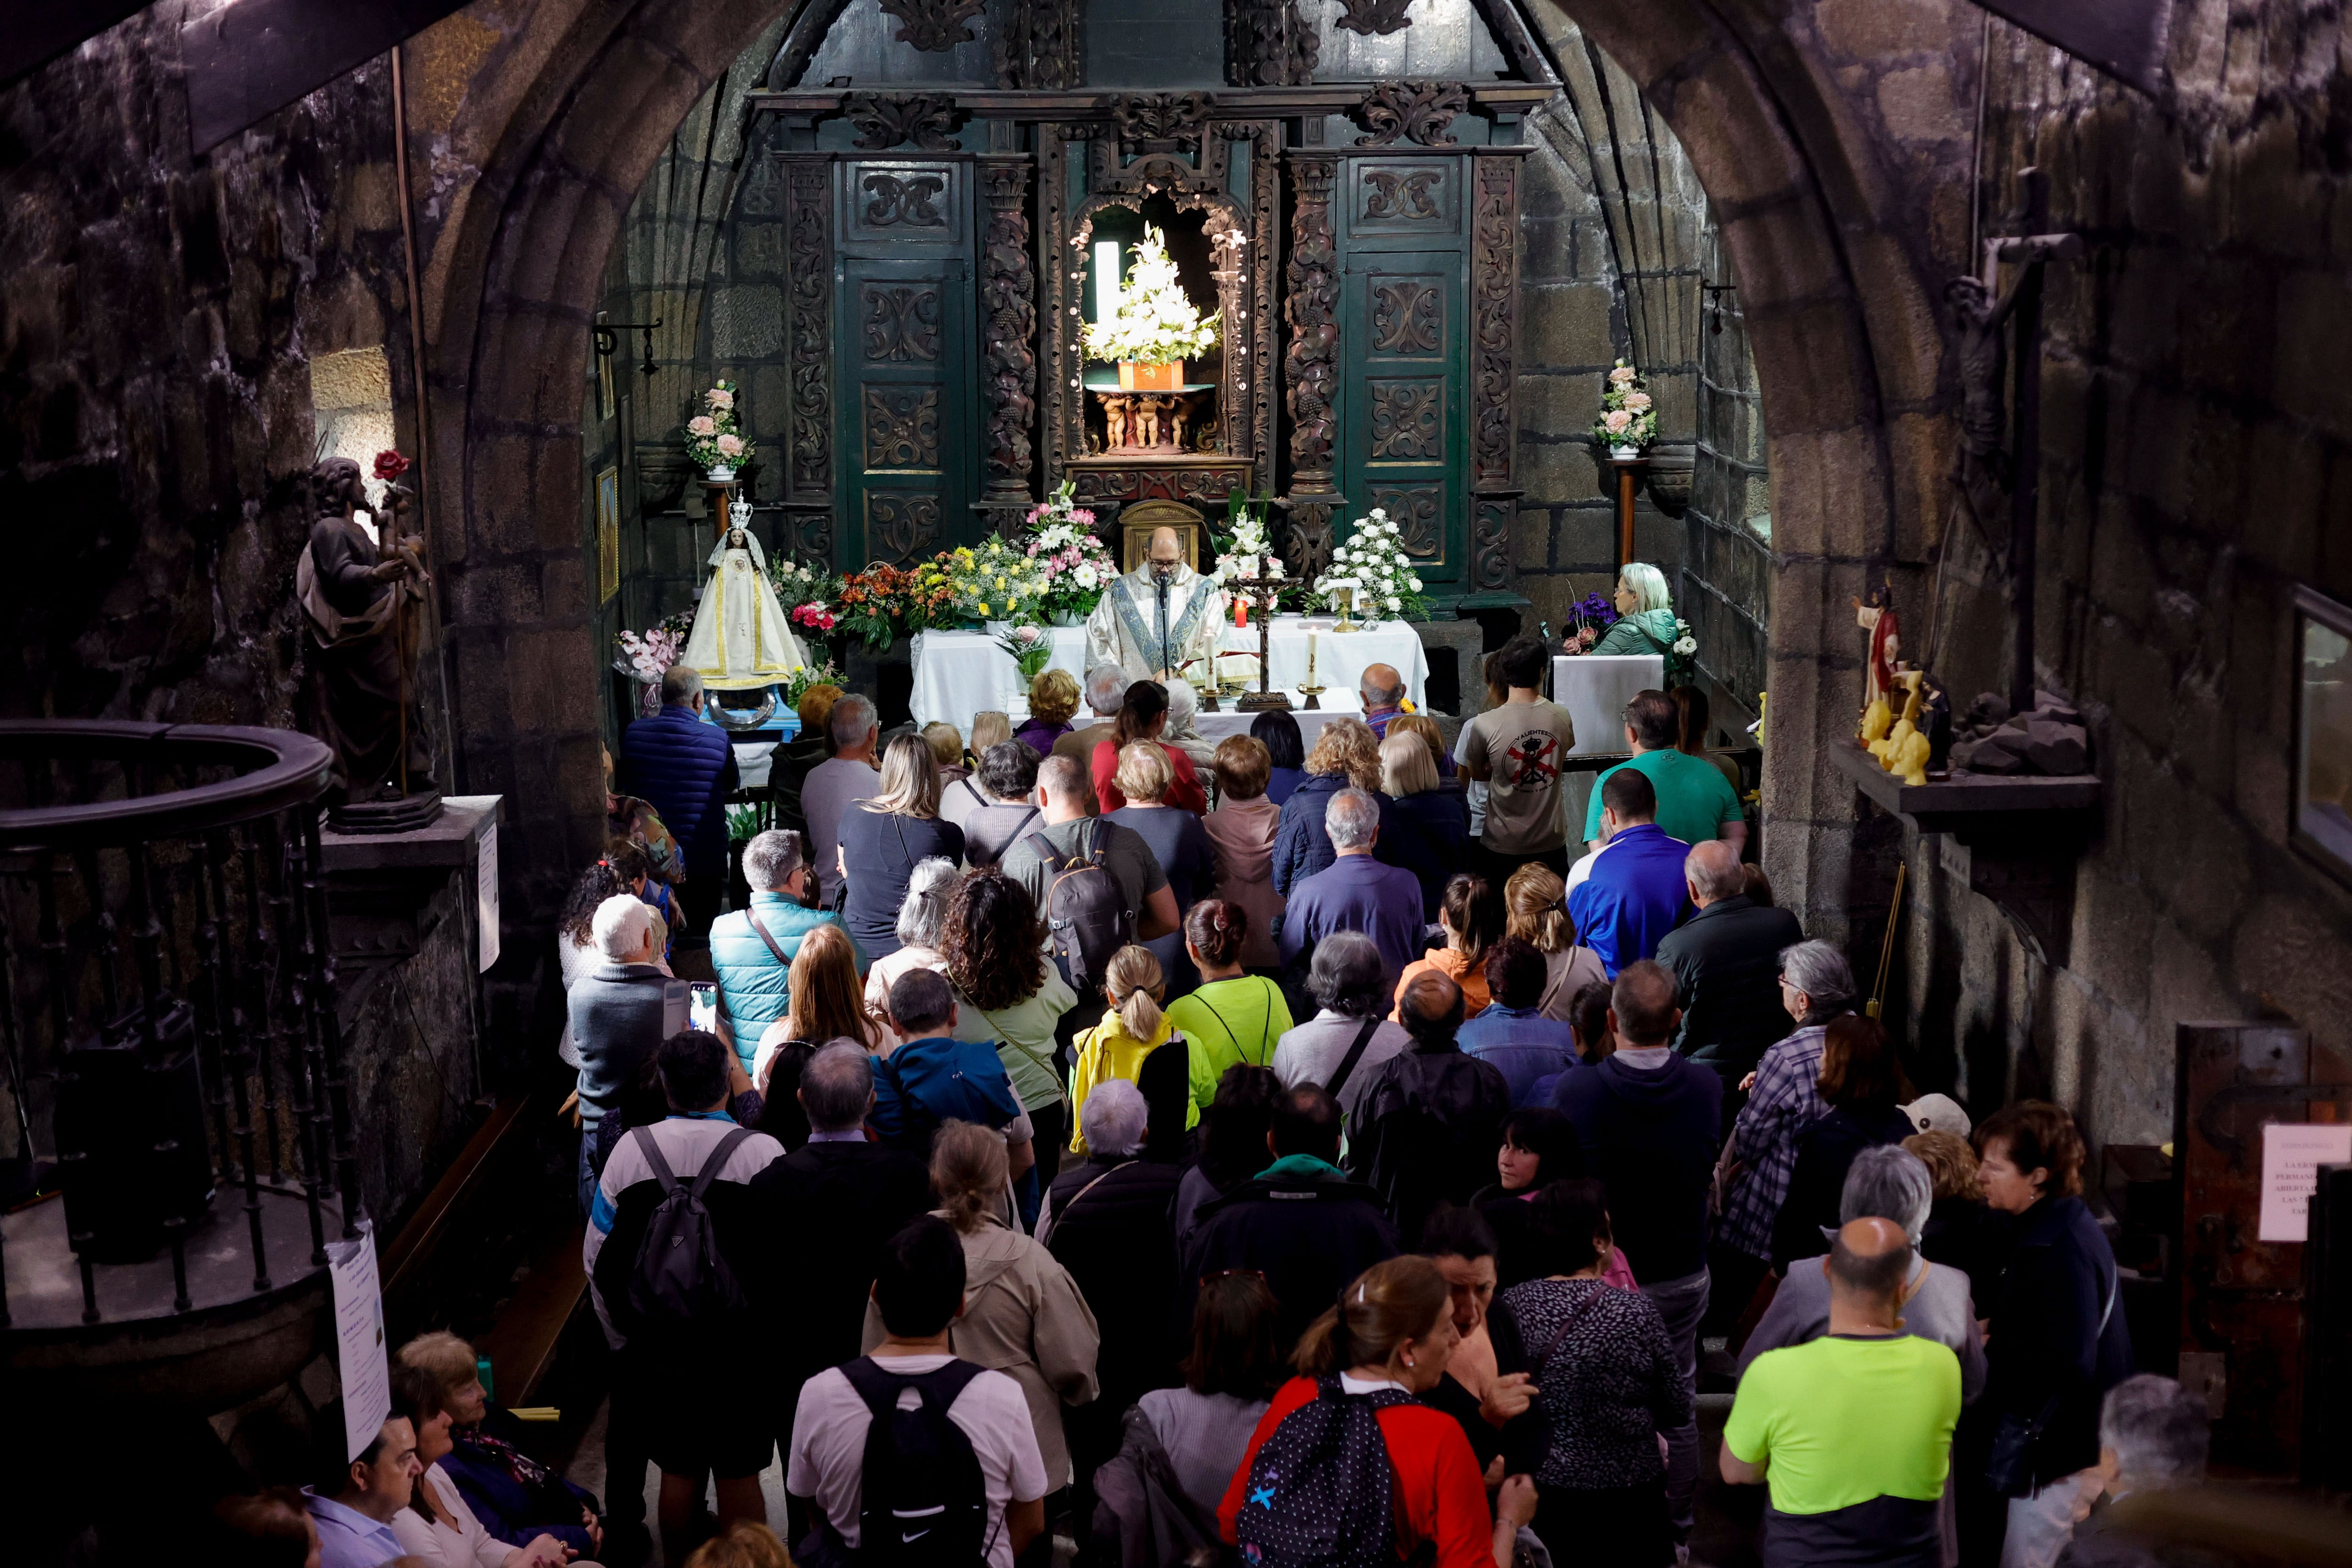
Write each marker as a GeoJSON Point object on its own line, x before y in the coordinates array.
{"type": "Point", "coordinates": [1785, 1101]}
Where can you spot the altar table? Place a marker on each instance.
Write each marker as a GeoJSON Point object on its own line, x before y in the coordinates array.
{"type": "Point", "coordinates": [960, 674]}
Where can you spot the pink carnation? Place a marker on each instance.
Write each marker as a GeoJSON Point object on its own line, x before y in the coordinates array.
{"type": "Point", "coordinates": [730, 445]}
{"type": "Point", "coordinates": [1616, 420]}
{"type": "Point", "coordinates": [702, 424]}
{"type": "Point", "coordinates": [719, 397]}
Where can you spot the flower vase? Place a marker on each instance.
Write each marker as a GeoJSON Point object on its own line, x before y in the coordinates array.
{"type": "Point", "coordinates": [1624, 454]}
{"type": "Point", "coordinates": [1068, 619]}
{"type": "Point", "coordinates": [1134, 377]}
{"type": "Point", "coordinates": [721, 473]}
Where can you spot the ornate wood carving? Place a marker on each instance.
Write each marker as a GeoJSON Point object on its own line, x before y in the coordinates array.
{"type": "Point", "coordinates": [1310, 544]}
{"type": "Point", "coordinates": [1419, 512]}
{"type": "Point", "coordinates": [1269, 43]}
{"type": "Point", "coordinates": [900, 526]}
{"type": "Point", "coordinates": [1490, 543]}
{"type": "Point", "coordinates": [1266, 220]}
{"type": "Point", "coordinates": [902, 323]}
{"type": "Point", "coordinates": [1042, 46]}
{"type": "Point", "coordinates": [902, 201]}
{"type": "Point", "coordinates": [1494, 288]}
{"type": "Point", "coordinates": [809, 262]}
{"type": "Point", "coordinates": [1160, 121]}
{"type": "Point", "coordinates": [1008, 308]}
{"type": "Point", "coordinates": [1408, 421]}
{"type": "Point", "coordinates": [1421, 112]}
{"type": "Point", "coordinates": [934, 24]}
{"type": "Point", "coordinates": [1059, 350]}
{"type": "Point", "coordinates": [886, 120]}
{"type": "Point", "coordinates": [902, 428]}
{"type": "Point", "coordinates": [1401, 193]}
{"type": "Point", "coordinates": [1204, 486]}
{"type": "Point", "coordinates": [1311, 364]}
{"type": "Point", "coordinates": [1373, 18]}
{"type": "Point", "coordinates": [1407, 316]}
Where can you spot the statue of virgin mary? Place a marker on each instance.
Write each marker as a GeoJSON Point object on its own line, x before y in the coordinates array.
{"type": "Point", "coordinates": [740, 637]}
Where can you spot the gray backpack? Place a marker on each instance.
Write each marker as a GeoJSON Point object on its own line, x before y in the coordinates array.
{"type": "Point", "coordinates": [681, 1279]}
{"type": "Point", "coordinates": [1085, 909]}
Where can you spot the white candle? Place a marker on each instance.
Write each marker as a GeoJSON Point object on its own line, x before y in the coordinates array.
{"type": "Point", "coordinates": [1310, 658]}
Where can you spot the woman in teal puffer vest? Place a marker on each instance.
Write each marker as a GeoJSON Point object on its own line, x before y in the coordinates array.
{"type": "Point", "coordinates": [1647, 623]}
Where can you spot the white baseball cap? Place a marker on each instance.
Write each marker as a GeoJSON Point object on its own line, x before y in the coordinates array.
{"type": "Point", "coordinates": [1938, 1113]}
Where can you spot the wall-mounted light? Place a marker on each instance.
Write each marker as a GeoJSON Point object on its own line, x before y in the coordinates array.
{"type": "Point", "coordinates": [1714, 292]}
{"type": "Point", "coordinates": [1106, 279]}
{"type": "Point", "coordinates": [608, 339]}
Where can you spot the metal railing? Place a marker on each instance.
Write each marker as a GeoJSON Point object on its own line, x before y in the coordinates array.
{"type": "Point", "coordinates": [170, 989]}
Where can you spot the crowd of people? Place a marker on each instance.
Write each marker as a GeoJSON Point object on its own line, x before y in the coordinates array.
{"type": "Point", "coordinates": [1183, 1148]}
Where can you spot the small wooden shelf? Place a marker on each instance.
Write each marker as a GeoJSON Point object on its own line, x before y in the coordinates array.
{"type": "Point", "coordinates": [2023, 832]}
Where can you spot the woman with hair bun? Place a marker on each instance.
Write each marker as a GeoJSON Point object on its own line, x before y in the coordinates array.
{"type": "Point", "coordinates": [1138, 1042]}
{"type": "Point", "coordinates": [1385, 1344]}
{"type": "Point", "coordinates": [1233, 1018]}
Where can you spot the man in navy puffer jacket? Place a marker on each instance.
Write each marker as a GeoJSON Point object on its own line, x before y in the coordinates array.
{"type": "Point", "coordinates": [686, 768]}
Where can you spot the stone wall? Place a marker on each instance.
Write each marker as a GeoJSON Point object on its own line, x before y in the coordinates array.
{"type": "Point", "coordinates": [1726, 591]}
{"type": "Point", "coordinates": [2196, 443]}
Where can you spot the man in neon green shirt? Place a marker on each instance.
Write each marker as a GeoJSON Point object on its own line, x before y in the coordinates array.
{"type": "Point", "coordinates": [1695, 802]}
{"type": "Point", "coordinates": [1852, 1431]}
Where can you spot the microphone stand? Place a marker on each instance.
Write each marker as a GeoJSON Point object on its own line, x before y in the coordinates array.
{"type": "Point", "coordinates": [1160, 582]}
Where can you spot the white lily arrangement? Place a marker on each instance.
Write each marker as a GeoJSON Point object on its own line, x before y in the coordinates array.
{"type": "Point", "coordinates": [1154, 323]}
{"type": "Point", "coordinates": [1373, 561]}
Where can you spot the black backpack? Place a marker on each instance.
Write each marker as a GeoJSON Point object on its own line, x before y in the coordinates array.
{"type": "Point", "coordinates": [681, 1279]}
{"type": "Point", "coordinates": [1321, 1489]}
{"type": "Point", "coordinates": [1426, 1129]}
{"type": "Point", "coordinates": [1084, 909]}
{"type": "Point", "coordinates": [922, 1501]}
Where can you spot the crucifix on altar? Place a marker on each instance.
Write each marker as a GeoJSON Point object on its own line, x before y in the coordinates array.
{"type": "Point", "coordinates": [1263, 593]}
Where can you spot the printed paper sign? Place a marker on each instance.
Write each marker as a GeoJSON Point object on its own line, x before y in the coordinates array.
{"type": "Point", "coordinates": [359, 1339]}
{"type": "Point", "coordinates": [486, 890]}
{"type": "Point", "coordinates": [2293, 1152]}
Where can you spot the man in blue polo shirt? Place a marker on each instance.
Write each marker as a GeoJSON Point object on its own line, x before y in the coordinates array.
{"type": "Point", "coordinates": [1634, 893]}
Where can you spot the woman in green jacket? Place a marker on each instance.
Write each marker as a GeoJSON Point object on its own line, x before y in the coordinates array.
{"type": "Point", "coordinates": [1647, 612]}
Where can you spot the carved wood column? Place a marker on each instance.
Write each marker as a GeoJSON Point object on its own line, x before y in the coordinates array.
{"type": "Point", "coordinates": [1008, 308]}
{"type": "Point", "coordinates": [1494, 368]}
{"type": "Point", "coordinates": [1311, 363]}
{"type": "Point", "coordinates": [808, 254]}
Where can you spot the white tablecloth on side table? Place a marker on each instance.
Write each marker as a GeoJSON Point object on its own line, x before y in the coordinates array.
{"type": "Point", "coordinates": [960, 674]}
{"type": "Point", "coordinates": [1595, 687]}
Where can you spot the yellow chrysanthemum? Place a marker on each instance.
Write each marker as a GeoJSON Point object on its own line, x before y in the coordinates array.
{"type": "Point", "coordinates": [983, 609]}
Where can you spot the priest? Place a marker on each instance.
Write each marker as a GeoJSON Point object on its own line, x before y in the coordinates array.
{"type": "Point", "coordinates": [1158, 618]}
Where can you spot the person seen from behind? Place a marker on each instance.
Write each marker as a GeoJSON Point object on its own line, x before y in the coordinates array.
{"type": "Point", "coordinates": [1242, 831]}
{"type": "Point", "coordinates": [1231, 1016]}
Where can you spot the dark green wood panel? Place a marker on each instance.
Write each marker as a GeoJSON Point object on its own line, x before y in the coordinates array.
{"type": "Point", "coordinates": [1404, 428]}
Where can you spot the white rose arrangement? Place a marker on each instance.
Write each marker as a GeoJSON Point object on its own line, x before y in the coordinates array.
{"type": "Point", "coordinates": [1373, 558]}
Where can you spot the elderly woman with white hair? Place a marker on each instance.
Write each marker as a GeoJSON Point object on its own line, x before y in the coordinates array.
{"type": "Point", "coordinates": [920, 919]}
{"type": "Point", "coordinates": [1107, 1221]}
{"type": "Point", "coordinates": [1646, 616]}
{"type": "Point", "coordinates": [1892, 1183]}
{"type": "Point", "coordinates": [616, 1011]}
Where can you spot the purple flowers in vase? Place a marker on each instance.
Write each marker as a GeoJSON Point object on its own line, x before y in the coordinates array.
{"type": "Point", "coordinates": [1593, 610]}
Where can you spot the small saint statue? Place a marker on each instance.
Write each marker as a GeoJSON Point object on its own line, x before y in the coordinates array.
{"type": "Point", "coordinates": [740, 636]}
{"type": "Point", "coordinates": [358, 598]}
{"type": "Point", "coordinates": [1876, 616]}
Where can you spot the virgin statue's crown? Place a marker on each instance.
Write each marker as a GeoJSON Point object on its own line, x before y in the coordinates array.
{"type": "Point", "coordinates": [739, 513]}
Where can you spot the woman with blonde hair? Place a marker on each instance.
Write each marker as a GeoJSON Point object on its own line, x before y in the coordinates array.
{"type": "Point", "coordinates": [1390, 1338]}
{"type": "Point", "coordinates": [946, 742]}
{"type": "Point", "coordinates": [1242, 832]}
{"type": "Point", "coordinates": [1532, 912]}
{"type": "Point", "coordinates": [1344, 754]}
{"type": "Point", "coordinates": [1432, 824]}
{"type": "Point", "coordinates": [1053, 698]}
{"type": "Point", "coordinates": [1178, 841]}
{"type": "Point", "coordinates": [884, 839]}
{"type": "Point", "coordinates": [1127, 1044]}
{"type": "Point", "coordinates": [1472, 916]}
{"type": "Point", "coordinates": [1023, 1314]}
{"type": "Point", "coordinates": [827, 1002]}
{"type": "Point", "coordinates": [1646, 616]}
{"type": "Point", "coordinates": [1422, 725]}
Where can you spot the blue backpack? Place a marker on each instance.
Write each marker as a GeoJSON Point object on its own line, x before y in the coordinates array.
{"type": "Point", "coordinates": [1321, 1489]}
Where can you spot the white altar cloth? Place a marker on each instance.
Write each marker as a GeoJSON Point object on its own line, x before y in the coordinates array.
{"type": "Point", "coordinates": [960, 674]}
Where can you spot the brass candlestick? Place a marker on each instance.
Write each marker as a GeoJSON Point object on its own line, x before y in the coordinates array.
{"type": "Point", "coordinates": [1262, 592]}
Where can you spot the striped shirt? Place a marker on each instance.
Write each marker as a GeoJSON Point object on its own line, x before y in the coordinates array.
{"type": "Point", "coordinates": [1785, 1101]}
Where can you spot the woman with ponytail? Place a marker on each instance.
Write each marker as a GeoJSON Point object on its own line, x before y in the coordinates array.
{"type": "Point", "coordinates": [1385, 1344]}
{"type": "Point", "coordinates": [1023, 1314]}
{"type": "Point", "coordinates": [1233, 1018]}
{"type": "Point", "coordinates": [1127, 1044]}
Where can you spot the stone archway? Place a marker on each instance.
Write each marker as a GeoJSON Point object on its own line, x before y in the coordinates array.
{"type": "Point", "coordinates": [1817, 183]}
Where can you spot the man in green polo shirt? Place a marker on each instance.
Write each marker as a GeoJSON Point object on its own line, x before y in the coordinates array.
{"type": "Point", "coordinates": [1852, 1431]}
{"type": "Point", "coordinates": [1695, 802]}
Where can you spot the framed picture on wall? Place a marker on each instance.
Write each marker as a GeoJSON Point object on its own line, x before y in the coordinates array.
{"type": "Point", "coordinates": [608, 534]}
{"type": "Point", "coordinates": [2321, 825]}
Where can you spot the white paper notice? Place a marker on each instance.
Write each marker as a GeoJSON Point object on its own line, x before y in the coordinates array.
{"type": "Point", "coordinates": [359, 1339]}
{"type": "Point", "coordinates": [2293, 1152]}
{"type": "Point", "coordinates": [486, 890]}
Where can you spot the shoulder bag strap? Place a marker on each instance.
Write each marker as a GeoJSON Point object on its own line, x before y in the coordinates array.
{"type": "Point", "coordinates": [1054, 1221]}
{"type": "Point", "coordinates": [718, 1158]}
{"type": "Point", "coordinates": [1355, 1054]}
{"type": "Point", "coordinates": [751, 912]}
{"type": "Point", "coordinates": [966, 782]}
{"type": "Point", "coordinates": [1575, 1315]}
{"type": "Point", "coordinates": [643, 1138]}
